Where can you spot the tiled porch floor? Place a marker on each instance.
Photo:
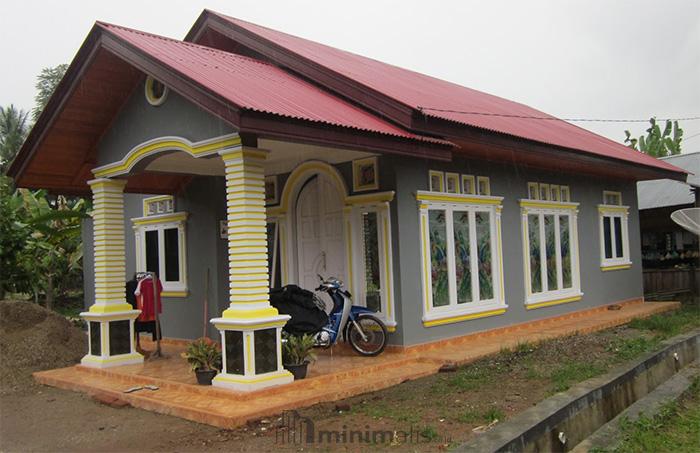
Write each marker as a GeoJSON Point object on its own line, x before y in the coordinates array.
{"type": "Point", "coordinates": [335, 375]}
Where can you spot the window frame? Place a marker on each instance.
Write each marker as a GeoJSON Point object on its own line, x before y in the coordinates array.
{"type": "Point", "coordinates": [451, 203]}
{"type": "Point", "coordinates": [161, 223]}
{"type": "Point", "coordinates": [560, 295]}
{"type": "Point", "coordinates": [385, 255]}
{"type": "Point", "coordinates": [614, 211]}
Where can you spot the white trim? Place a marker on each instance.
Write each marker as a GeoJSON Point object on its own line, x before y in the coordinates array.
{"type": "Point", "coordinates": [471, 206]}
{"type": "Point", "coordinates": [612, 212]}
{"type": "Point", "coordinates": [140, 243]}
{"type": "Point", "coordinates": [546, 294]}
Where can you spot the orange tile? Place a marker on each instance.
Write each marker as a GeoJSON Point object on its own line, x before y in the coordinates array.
{"type": "Point", "coordinates": [333, 376]}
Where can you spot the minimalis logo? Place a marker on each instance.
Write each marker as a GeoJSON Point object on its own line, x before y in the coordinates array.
{"type": "Point", "coordinates": [296, 429]}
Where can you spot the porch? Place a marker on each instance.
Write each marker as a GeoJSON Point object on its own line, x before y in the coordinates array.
{"type": "Point", "coordinates": [337, 374]}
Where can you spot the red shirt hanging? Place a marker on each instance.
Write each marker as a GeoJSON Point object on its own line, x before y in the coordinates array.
{"type": "Point", "coordinates": [145, 299]}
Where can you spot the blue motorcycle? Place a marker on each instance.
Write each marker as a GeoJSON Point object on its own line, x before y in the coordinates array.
{"type": "Point", "coordinates": [366, 333]}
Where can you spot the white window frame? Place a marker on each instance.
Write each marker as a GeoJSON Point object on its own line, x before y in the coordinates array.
{"type": "Point", "coordinates": [470, 203]}
{"type": "Point", "coordinates": [386, 274]}
{"type": "Point", "coordinates": [561, 295]}
{"type": "Point", "coordinates": [160, 223]}
{"type": "Point", "coordinates": [612, 212]}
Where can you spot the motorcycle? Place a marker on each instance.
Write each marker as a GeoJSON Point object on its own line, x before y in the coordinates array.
{"type": "Point", "coordinates": [366, 333]}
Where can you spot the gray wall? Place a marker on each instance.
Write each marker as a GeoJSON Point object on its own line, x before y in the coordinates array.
{"type": "Point", "coordinates": [510, 182]}
{"type": "Point", "coordinates": [204, 200]}
{"type": "Point", "coordinates": [138, 121]}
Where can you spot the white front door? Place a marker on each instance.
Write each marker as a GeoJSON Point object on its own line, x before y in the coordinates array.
{"type": "Point", "coordinates": [319, 232]}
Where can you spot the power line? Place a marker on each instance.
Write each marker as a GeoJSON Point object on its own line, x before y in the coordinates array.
{"type": "Point", "coordinates": [551, 118]}
{"type": "Point", "coordinates": [691, 136]}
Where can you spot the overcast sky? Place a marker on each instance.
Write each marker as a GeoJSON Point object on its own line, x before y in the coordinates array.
{"type": "Point", "coordinates": [580, 59]}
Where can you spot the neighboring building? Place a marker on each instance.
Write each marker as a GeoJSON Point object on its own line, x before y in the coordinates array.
{"type": "Point", "coordinates": [266, 159]}
{"type": "Point", "coordinates": [670, 254]}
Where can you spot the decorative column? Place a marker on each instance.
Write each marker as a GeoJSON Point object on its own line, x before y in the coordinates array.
{"type": "Point", "coordinates": [250, 328]}
{"type": "Point", "coordinates": [110, 319]}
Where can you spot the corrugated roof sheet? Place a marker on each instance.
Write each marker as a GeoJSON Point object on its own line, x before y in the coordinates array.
{"type": "Point", "coordinates": [421, 91]}
{"type": "Point", "coordinates": [255, 85]}
{"type": "Point", "coordinates": [660, 193]}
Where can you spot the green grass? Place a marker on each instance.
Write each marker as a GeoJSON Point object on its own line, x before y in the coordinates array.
{"type": "Point", "coordinates": [378, 410]}
{"type": "Point", "coordinates": [429, 433]}
{"type": "Point", "coordinates": [670, 324]}
{"type": "Point", "coordinates": [564, 376]}
{"type": "Point", "coordinates": [676, 428]}
{"type": "Point", "coordinates": [628, 349]}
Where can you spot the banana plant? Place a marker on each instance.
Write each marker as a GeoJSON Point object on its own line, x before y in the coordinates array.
{"type": "Point", "coordinates": [657, 143]}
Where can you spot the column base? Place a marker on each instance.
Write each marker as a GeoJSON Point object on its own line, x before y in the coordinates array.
{"type": "Point", "coordinates": [106, 362]}
{"type": "Point", "coordinates": [111, 337]}
{"type": "Point", "coordinates": [252, 352]}
{"type": "Point", "coordinates": [250, 383]}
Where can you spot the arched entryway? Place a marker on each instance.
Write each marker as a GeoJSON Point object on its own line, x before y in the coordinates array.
{"type": "Point", "coordinates": [319, 233]}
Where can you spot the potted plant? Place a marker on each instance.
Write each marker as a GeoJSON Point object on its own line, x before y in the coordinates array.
{"type": "Point", "coordinates": [297, 354]}
{"type": "Point", "coordinates": [204, 357]}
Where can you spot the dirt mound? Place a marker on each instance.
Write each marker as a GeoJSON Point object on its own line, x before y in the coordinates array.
{"type": "Point", "coordinates": [32, 339]}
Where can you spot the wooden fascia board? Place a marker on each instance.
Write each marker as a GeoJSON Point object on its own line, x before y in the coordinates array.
{"type": "Point", "coordinates": [462, 133]}
{"type": "Point", "coordinates": [301, 131]}
{"type": "Point", "coordinates": [56, 103]}
{"type": "Point", "coordinates": [362, 95]}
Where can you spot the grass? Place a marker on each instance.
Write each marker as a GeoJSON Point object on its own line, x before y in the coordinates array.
{"type": "Point", "coordinates": [564, 376]}
{"type": "Point", "coordinates": [629, 348]}
{"type": "Point", "coordinates": [669, 324]}
{"type": "Point", "coordinates": [472, 416]}
{"type": "Point", "coordinates": [676, 428]}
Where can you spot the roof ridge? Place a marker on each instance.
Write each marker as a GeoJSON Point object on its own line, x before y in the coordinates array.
{"type": "Point", "coordinates": [108, 25]}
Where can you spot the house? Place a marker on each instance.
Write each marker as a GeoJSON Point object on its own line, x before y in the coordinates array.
{"type": "Point", "coordinates": [670, 254]}
{"type": "Point", "coordinates": [243, 158]}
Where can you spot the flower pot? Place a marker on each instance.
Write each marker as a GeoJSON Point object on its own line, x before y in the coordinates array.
{"type": "Point", "coordinates": [299, 371]}
{"type": "Point", "coordinates": [204, 377]}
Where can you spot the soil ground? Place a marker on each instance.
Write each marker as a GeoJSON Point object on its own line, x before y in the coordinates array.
{"type": "Point", "coordinates": [428, 414]}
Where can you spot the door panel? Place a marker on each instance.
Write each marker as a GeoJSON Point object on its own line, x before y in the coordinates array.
{"type": "Point", "coordinates": [319, 233]}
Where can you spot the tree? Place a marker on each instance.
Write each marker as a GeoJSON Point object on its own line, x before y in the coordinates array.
{"type": "Point", "coordinates": [46, 83]}
{"type": "Point", "coordinates": [13, 131]}
{"type": "Point", "coordinates": [657, 143]}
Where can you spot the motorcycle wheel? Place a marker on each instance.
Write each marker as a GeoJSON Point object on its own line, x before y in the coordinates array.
{"type": "Point", "coordinates": [375, 332]}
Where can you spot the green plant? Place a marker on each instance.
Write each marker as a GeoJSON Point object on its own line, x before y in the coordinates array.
{"type": "Point", "coordinates": [493, 414]}
{"type": "Point", "coordinates": [429, 433]}
{"type": "Point", "coordinates": [657, 143]}
{"type": "Point", "coordinates": [628, 349]}
{"type": "Point", "coordinates": [203, 355]}
{"type": "Point", "coordinates": [566, 375]}
{"type": "Point", "coordinates": [297, 350]}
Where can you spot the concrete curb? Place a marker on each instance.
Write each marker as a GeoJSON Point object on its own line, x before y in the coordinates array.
{"type": "Point", "coordinates": [601, 399]}
{"type": "Point", "coordinates": [609, 435]}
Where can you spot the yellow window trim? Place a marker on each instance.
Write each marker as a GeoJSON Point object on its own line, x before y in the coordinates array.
{"type": "Point", "coordinates": [422, 195]}
{"type": "Point", "coordinates": [545, 204]}
{"type": "Point", "coordinates": [617, 267]}
{"type": "Point", "coordinates": [460, 318]}
{"type": "Point", "coordinates": [370, 198]}
{"type": "Point", "coordinates": [162, 218]}
{"type": "Point", "coordinates": [549, 303]}
{"type": "Point", "coordinates": [612, 209]}
{"type": "Point", "coordinates": [174, 293]}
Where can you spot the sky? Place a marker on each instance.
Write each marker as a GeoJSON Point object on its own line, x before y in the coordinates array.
{"type": "Point", "coordinates": [573, 59]}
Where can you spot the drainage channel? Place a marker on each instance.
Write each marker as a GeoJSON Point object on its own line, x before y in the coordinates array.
{"type": "Point", "coordinates": [559, 423]}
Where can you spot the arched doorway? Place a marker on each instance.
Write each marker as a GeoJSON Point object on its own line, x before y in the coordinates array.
{"type": "Point", "coordinates": [319, 231]}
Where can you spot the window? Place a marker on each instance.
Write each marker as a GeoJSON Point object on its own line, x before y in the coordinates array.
{"type": "Point", "coordinates": [468, 185]}
{"type": "Point", "coordinates": [614, 235]}
{"type": "Point", "coordinates": [160, 248]}
{"type": "Point", "coordinates": [437, 181]}
{"type": "Point", "coordinates": [548, 192]}
{"type": "Point", "coordinates": [273, 254]}
{"type": "Point", "coordinates": [155, 91]}
{"type": "Point", "coordinates": [452, 182]}
{"type": "Point", "coordinates": [483, 184]}
{"type": "Point", "coordinates": [370, 277]}
{"type": "Point", "coordinates": [550, 252]}
{"type": "Point", "coordinates": [462, 269]}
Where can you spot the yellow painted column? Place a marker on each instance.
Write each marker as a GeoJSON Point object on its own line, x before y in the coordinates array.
{"type": "Point", "coordinates": [110, 319]}
{"type": "Point", "coordinates": [250, 328]}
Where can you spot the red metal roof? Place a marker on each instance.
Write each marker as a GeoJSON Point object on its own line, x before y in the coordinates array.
{"type": "Point", "coordinates": [254, 85]}
{"type": "Point", "coordinates": [422, 92]}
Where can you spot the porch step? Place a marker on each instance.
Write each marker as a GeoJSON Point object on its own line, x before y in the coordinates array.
{"type": "Point", "coordinates": [226, 409]}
